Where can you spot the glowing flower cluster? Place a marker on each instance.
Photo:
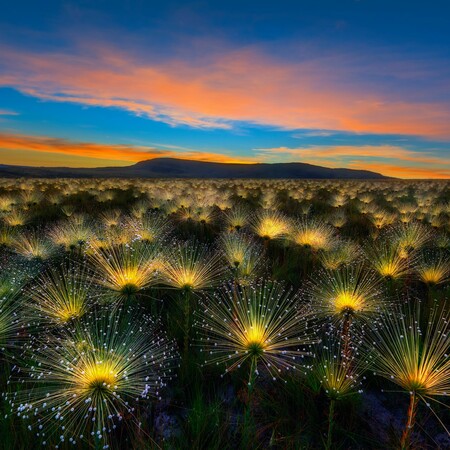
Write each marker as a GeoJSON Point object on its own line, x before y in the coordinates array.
{"type": "Point", "coordinates": [33, 245]}
{"type": "Point", "coordinates": [80, 385]}
{"type": "Point", "coordinates": [61, 294]}
{"type": "Point", "coordinates": [243, 255]}
{"type": "Point", "coordinates": [193, 267]}
{"type": "Point", "coordinates": [125, 269]}
{"type": "Point", "coordinates": [313, 234]}
{"type": "Point", "coordinates": [271, 224]}
{"type": "Point", "coordinates": [265, 322]}
{"type": "Point", "coordinates": [388, 260]}
{"type": "Point", "coordinates": [339, 374]}
{"type": "Point", "coordinates": [433, 270]}
{"type": "Point", "coordinates": [347, 291]}
{"type": "Point", "coordinates": [414, 357]}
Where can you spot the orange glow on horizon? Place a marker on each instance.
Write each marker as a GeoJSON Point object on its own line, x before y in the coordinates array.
{"type": "Point", "coordinates": [63, 152]}
{"type": "Point", "coordinates": [392, 170]}
{"type": "Point", "coordinates": [105, 154]}
{"type": "Point", "coordinates": [391, 158]}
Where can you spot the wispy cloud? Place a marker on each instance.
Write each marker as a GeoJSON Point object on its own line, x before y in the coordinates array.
{"type": "Point", "coordinates": [8, 112]}
{"type": "Point", "coordinates": [314, 133]}
{"type": "Point", "coordinates": [229, 86]}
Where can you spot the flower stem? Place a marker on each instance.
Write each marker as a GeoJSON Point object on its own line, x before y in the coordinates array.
{"type": "Point", "coordinates": [330, 424]}
{"type": "Point", "coordinates": [345, 335]}
{"type": "Point", "coordinates": [248, 409]}
{"type": "Point", "coordinates": [187, 316]}
{"type": "Point", "coordinates": [411, 418]}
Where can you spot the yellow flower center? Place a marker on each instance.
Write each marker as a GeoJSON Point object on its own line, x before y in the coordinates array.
{"type": "Point", "coordinates": [255, 341]}
{"type": "Point", "coordinates": [348, 301]}
{"type": "Point", "coordinates": [98, 376]}
{"type": "Point", "coordinates": [388, 269]}
{"type": "Point", "coordinates": [417, 381]}
{"type": "Point", "coordinates": [187, 279]}
{"type": "Point", "coordinates": [270, 228]}
{"type": "Point", "coordinates": [69, 311]}
{"type": "Point", "coordinates": [129, 280]}
{"type": "Point", "coordinates": [311, 238]}
{"type": "Point", "coordinates": [432, 275]}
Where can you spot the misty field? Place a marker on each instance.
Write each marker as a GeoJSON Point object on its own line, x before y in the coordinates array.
{"type": "Point", "coordinates": [224, 314]}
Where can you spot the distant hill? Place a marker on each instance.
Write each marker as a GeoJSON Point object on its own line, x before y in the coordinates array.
{"type": "Point", "coordinates": [180, 168]}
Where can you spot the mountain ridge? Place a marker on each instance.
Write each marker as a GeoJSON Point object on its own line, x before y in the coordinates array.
{"type": "Point", "coordinates": [184, 168]}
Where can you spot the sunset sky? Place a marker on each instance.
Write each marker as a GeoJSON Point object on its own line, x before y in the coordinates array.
{"type": "Point", "coordinates": [362, 84]}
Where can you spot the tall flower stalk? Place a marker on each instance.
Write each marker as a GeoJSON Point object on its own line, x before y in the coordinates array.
{"type": "Point", "coordinates": [413, 356]}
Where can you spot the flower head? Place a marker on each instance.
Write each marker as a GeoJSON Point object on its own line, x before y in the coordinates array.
{"type": "Point", "coordinates": [81, 384]}
{"type": "Point", "coordinates": [265, 321]}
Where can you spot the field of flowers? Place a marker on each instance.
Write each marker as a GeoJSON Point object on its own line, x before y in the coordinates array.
{"type": "Point", "coordinates": [224, 314]}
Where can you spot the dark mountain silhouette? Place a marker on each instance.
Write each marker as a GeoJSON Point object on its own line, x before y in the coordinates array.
{"type": "Point", "coordinates": [179, 168]}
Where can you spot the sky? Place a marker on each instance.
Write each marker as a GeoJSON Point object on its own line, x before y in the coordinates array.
{"type": "Point", "coordinates": [362, 84]}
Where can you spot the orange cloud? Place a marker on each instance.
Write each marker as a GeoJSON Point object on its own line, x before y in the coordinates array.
{"type": "Point", "coordinates": [242, 85]}
{"type": "Point", "coordinates": [113, 154]}
{"type": "Point", "coordinates": [393, 170]}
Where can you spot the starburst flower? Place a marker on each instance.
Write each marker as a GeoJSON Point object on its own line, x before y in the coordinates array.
{"type": "Point", "coordinates": [74, 232]}
{"type": "Point", "coordinates": [31, 197]}
{"type": "Point", "coordinates": [340, 254]}
{"type": "Point", "coordinates": [16, 217]}
{"type": "Point", "coordinates": [382, 218]}
{"type": "Point", "coordinates": [271, 224]}
{"type": "Point", "coordinates": [410, 237]}
{"type": "Point", "coordinates": [411, 356]}
{"type": "Point", "coordinates": [313, 234]}
{"type": "Point", "coordinates": [61, 294]}
{"type": "Point", "coordinates": [350, 291]}
{"type": "Point", "coordinates": [54, 198]}
{"type": "Point", "coordinates": [191, 266]}
{"type": "Point", "coordinates": [79, 386]}
{"type": "Point", "coordinates": [340, 374]}
{"type": "Point", "coordinates": [338, 219]}
{"type": "Point", "coordinates": [125, 269]}
{"type": "Point", "coordinates": [265, 324]}
{"type": "Point", "coordinates": [243, 255]}
{"type": "Point", "coordinates": [338, 200]}
{"type": "Point", "coordinates": [366, 197]}
{"type": "Point", "coordinates": [387, 260]}
{"type": "Point", "coordinates": [205, 215]}
{"type": "Point", "coordinates": [111, 217]}
{"type": "Point", "coordinates": [237, 217]}
{"type": "Point", "coordinates": [139, 209]}
{"type": "Point", "coordinates": [6, 203]}
{"type": "Point", "coordinates": [185, 214]}
{"type": "Point", "coordinates": [33, 245]}
{"type": "Point", "coordinates": [433, 270]}
{"type": "Point", "coordinates": [7, 235]}
{"type": "Point", "coordinates": [150, 227]}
